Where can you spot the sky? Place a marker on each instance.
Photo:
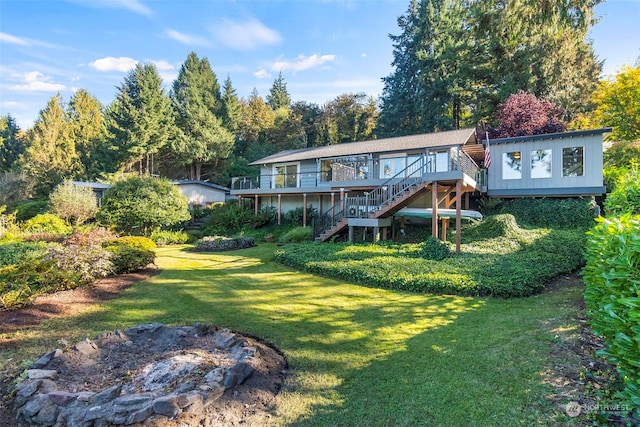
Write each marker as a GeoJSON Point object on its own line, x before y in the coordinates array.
{"type": "Point", "coordinates": [323, 48]}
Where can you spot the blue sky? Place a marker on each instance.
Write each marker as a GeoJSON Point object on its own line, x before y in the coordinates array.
{"type": "Point", "coordinates": [322, 47]}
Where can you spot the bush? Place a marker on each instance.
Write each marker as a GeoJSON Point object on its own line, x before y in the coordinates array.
{"type": "Point", "coordinates": [296, 216]}
{"type": "Point", "coordinates": [612, 295]}
{"type": "Point", "coordinates": [73, 203]}
{"type": "Point", "coordinates": [500, 266]}
{"type": "Point", "coordinates": [434, 249]}
{"type": "Point", "coordinates": [164, 237]}
{"type": "Point", "coordinates": [46, 223]}
{"type": "Point", "coordinates": [27, 210]}
{"type": "Point", "coordinates": [297, 235]}
{"type": "Point", "coordinates": [552, 212]}
{"type": "Point", "coordinates": [131, 253]}
{"type": "Point", "coordinates": [142, 204]}
{"type": "Point", "coordinates": [626, 196]}
{"type": "Point", "coordinates": [14, 252]}
{"type": "Point", "coordinates": [233, 218]}
{"type": "Point", "coordinates": [221, 243]}
{"type": "Point", "coordinates": [503, 225]}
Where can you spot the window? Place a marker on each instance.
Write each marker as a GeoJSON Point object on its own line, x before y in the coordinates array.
{"type": "Point", "coordinates": [439, 161]}
{"type": "Point", "coordinates": [512, 165]}
{"type": "Point", "coordinates": [285, 176]}
{"type": "Point", "coordinates": [573, 161]}
{"type": "Point", "coordinates": [390, 167]}
{"type": "Point", "coordinates": [345, 168]}
{"type": "Point", "coordinates": [541, 164]}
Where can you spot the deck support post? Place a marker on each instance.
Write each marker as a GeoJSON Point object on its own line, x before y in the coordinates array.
{"type": "Point", "coordinates": [333, 205]}
{"type": "Point", "coordinates": [376, 234]}
{"type": "Point", "coordinates": [279, 209]}
{"type": "Point", "coordinates": [434, 207]}
{"type": "Point", "coordinates": [351, 234]}
{"type": "Point", "coordinates": [304, 209]}
{"type": "Point", "coordinates": [256, 204]}
{"type": "Point", "coordinates": [458, 214]}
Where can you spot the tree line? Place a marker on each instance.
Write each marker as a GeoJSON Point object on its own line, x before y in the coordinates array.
{"type": "Point", "coordinates": [456, 63]}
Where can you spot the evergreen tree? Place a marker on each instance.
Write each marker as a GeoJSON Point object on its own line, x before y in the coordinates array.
{"type": "Point", "coordinates": [87, 128]}
{"type": "Point", "coordinates": [141, 119]}
{"type": "Point", "coordinates": [50, 155]}
{"type": "Point", "coordinates": [278, 95]}
{"type": "Point", "coordinates": [198, 107]}
{"type": "Point", "coordinates": [11, 146]}
{"type": "Point", "coordinates": [310, 117]}
{"type": "Point", "coordinates": [231, 107]}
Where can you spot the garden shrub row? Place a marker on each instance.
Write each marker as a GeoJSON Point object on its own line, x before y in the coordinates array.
{"type": "Point", "coordinates": [501, 266]}
{"type": "Point", "coordinates": [28, 269]}
{"type": "Point", "coordinates": [612, 286]}
{"type": "Point", "coordinates": [548, 212]}
{"type": "Point", "coordinates": [222, 243]}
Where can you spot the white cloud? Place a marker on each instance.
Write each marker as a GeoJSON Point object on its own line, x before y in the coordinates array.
{"type": "Point", "coordinates": [162, 65]}
{"type": "Point", "coordinates": [245, 35]}
{"type": "Point", "coordinates": [303, 62]}
{"type": "Point", "coordinates": [8, 38]}
{"type": "Point", "coordinates": [111, 63]}
{"type": "Point", "coordinates": [35, 81]}
{"type": "Point", "coordinates": [262, 74]}
{"type": "Point", "coordinates": [132, 5]}
{"type": "Point", "coordinates": [186, 38]}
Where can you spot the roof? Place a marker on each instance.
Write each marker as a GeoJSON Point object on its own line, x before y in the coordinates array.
{"type": "Point", "coordinates": [204, 183]}
{"type": "Point", "coordinates": [94, 185]}
{"type": "Point", "coordinates": [400, 143]}
{"type": "Point", "coordinates": [557, 135]}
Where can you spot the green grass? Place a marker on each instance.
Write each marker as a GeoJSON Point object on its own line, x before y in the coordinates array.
{"type": "Point", "coordinates": [358, 356]}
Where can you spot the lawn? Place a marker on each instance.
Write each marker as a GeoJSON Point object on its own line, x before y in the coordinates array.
{"type": "Point", "coordinates": [359, 356]}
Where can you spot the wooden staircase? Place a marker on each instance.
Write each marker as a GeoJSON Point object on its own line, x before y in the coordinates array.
{"type": "Point", "coordinates": [382, 202]}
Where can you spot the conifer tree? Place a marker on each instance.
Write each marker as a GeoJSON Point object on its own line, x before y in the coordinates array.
{"type": "Point", "coordinates": [10, 145]}
{"type": "Point", "coordinates": [278, 96]}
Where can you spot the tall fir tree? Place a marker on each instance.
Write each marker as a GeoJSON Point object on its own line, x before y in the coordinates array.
{"type": "Point", "coordinates": [198, 111]}
{"type": "Point", "coordinates": [11, 147]}
{"type": "Point", "coordinates": [141, 119]}
{"type": "Point", "coordinates": [231, 107]}
{"type": "Point", "coordinates": [50, 155]}
{"type": "Point", "coordinates": [278, 96]}
{"type": "Point", "coordinates": [88, 130]}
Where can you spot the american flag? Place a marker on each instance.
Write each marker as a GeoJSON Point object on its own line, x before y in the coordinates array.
{"type": "Point", "coordinates": [487, 154]}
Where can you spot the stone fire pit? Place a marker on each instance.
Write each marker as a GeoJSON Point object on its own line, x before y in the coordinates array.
{"type": "Point", "coordinates": [150, 374]}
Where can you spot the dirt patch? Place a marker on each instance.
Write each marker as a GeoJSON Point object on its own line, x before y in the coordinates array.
{"type": "Point", "coordinates": [249, 403]}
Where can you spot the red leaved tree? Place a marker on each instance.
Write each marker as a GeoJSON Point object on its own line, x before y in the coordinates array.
{"type": "Point", "coordinates": [523, 114]}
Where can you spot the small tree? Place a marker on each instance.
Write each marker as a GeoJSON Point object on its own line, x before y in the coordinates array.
{"type": "Point", "coordinates": [144, 204]}
{"type": "Point", "coordinates": [73, 203]}
{"type": "Point", "coordinates": [523, 114]}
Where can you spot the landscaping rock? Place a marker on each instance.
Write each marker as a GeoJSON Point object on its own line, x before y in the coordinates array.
{"type": "Point", "coordinates": [185, 370]}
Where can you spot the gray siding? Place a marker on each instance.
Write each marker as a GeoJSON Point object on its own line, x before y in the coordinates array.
{"type": "Point", "coordinates": [590, 182]}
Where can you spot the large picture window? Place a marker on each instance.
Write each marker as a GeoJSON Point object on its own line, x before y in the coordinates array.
{"type": "Point", "coordinates": [512, 165]}
{"type": "Point", "coordinates": [541, 164]}
{"type": "Point", "coordinates": [573, 161]}
{"type": "Point", "coordinates": [345, 168]}
{"type": "Point", "coordinates": [285, 176]}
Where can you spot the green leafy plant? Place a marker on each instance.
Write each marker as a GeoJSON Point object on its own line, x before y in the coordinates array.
{"type": "Point", "coordinates": [434, 249]}
{"type": "Point", "coordinates": [626, 196]}
{"type": "Point", "coordinates": [142, 204]}
{"type": "Point", "coordinates": [27, 210]}
{"type": "Point", "coordinates": [14, 252]}
{"type": "Point", "coordinates": [297, 235]}
{"type": "Point", "coordinates": [46, 223]}
{"type": "Point", "coordinates": [166, 237]}
{"type": "Point", "coordinates": [131, 253]}
{"type": "Point", "coordinates": [233, 218]}
{"type": "Point", "coordinates": [552, 212]}
{"type": "Point", "coordinates": [222, 243]}
{"type": "Point", "coordinates": [612, 286]}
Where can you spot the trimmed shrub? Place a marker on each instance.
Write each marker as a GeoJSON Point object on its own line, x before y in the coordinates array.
{"type": "Point", "coordinates": [46, 223]}
{"type": "Point", "coordinates": [165, 237]}
{"type": "Point", "coordinates": [612, 280]}
{"type": "Point", "coordinates": [233, 218]}
{"type": "Point", "coordinates": [142, 204]}
{"type": "Point", "coordinates": [503, 225]}
{"type": "Point", "coordinates": [222, 243]}
{"type": "Point", "coordinates": [552, 212]}
{"type": "Point", "coordinates": [434, 249]}
{"type": "Point", "coordinates": [297, 235]}
{"type": "Point", "coordinates": [131, 253]}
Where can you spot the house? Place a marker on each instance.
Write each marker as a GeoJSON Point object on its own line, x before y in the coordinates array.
{"type": "Point", "coordinates": [198, 193]}
{"type": "Point", "coordinates": [369, 183]}
{"type": "Point", "coordinates": [201, 193]}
